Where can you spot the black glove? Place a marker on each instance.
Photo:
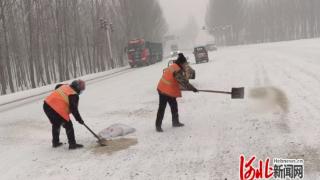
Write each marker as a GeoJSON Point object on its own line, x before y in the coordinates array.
{"type": "Point", "coordinates": [80, 121]}
{"type": "Point", "coordinates": [195, 89]}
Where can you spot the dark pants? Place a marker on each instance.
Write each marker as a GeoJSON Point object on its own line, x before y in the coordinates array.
{"type": "Point", "coordinates": [163, 100]}
{"type": "Point", "coordinates": [57, 121]}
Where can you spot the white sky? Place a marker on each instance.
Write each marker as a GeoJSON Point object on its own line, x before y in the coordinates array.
{"type": "Point", "coordinates": [177, 12]}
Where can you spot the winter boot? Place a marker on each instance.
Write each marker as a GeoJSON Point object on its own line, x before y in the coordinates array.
{"type": "Point", "coordinates": [175, 120]}
{"type": "Point", "coordinates": [75, 146]}
{"type": "Point", "coordinates": [177, 124]}
{"type": "Point", "coordinates": [55, 145]}
{"type": "Point", "coordinates": [159, 129]}
{"type": "Point", "coordinates": [55, 136]}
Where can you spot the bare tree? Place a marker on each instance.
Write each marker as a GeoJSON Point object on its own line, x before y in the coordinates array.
{"type": "Point", "coordinates": [247, 21]}
{"type": "Point", "coordinates": [48, 41]}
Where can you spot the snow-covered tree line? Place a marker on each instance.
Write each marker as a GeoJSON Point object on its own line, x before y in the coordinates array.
{"type": "Point", "coordinates": [255, 21]}
{"type": "Point", "coordinates": [47, 41]}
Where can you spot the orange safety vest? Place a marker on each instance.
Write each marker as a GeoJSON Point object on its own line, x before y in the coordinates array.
{"type": "Point", "coordinates": [59, 101]}
{"type": "Point", "coordinates": [168, 84]}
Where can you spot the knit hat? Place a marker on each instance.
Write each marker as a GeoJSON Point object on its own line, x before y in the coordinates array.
{"type": "Point", "coordinates": [181, 59]}
{"type": "Point", "coordinates": [79, 85]}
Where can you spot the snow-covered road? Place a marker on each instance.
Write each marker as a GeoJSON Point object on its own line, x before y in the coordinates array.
{"type": "Point", "coordinates": [218, 130]}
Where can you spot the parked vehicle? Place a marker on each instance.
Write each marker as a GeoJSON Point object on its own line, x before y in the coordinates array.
{"type": "Point", "coordinates": [201, 54]}
{"type": "Point", "coordinates": [174, 50]}
{"type": "Point", "coordinates": [143, 53]}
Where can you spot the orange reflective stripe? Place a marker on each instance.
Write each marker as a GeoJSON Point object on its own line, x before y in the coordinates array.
{"type": "Point", "coordinates": [59, 101]}
{"type": "Point", "coordinates": [63, 95]}
{"type": "Point", "coordinates": [165, 81]}
{"type": "Point", "coordinates": [171, 69]}
{"type": "Point", "coordinates": [168, 84]}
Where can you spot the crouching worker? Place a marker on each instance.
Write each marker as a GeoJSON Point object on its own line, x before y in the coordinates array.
{"type": "Point", "coordinates": [169, 90]}
{"type": "Point", "coordinates": [58, 105]}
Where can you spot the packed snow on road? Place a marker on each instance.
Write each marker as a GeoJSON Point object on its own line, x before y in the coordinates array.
{"type": "Point", "coordinates": [278, 118]}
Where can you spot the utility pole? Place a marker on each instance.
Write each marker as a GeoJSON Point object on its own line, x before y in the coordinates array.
{"type": "Point", "coordinates": [104, 24]}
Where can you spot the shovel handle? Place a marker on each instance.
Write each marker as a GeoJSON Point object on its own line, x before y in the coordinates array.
{"type": "Point", "coordinates": [212, 91]}
{"type": "Point", "coordinates": [95, 135]}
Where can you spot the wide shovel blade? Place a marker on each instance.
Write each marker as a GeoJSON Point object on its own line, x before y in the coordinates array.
{"type": "Point", "coordinates": [236, 93]}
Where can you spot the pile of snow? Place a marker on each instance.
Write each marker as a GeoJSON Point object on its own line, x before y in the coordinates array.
{"type": "Point", "coordinates": [116, 130]}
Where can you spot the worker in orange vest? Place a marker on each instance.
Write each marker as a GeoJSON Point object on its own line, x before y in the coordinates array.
{"type": "Point", "coordinates": [58, 106]}
{"type": "Point", "coordinates": [168, 89]}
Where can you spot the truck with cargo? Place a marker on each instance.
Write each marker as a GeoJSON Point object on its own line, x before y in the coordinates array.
{"type": "Point", "coordinates": [143, 53]}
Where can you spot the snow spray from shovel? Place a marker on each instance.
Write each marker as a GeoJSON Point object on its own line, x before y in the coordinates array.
{"type": "Point", "coordinates": [236, 93]}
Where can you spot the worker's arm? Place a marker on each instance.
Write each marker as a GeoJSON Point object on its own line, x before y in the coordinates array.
{"type": "Point", "coordinates": [73, 103]}
{"type": "Point", "coordinates": [183, 81]}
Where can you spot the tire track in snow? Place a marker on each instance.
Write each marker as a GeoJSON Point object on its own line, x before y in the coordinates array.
{"type": "Point", "coordinates": [277, 95]}
{"type": "Point", "coordinates": [309, 153]}
{"type": "Point", "coordinates": [233, 137]}
{"type": "Point", "coordinates": [286, 148]}
{"type": "Point", "coordinates": [304, 92]}
{"type": "Point", "coordinates": [308, 89]}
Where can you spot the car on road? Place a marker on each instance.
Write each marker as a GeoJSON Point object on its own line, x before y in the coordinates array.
{"type": "Point", "coordinates": [201, 54]}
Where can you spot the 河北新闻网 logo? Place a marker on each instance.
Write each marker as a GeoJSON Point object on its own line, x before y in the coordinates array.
{"type": "Point", "coordinates": [250, 169]}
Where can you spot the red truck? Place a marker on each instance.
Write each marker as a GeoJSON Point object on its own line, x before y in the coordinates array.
{"type": "Point", "coordinates": [143, 53]}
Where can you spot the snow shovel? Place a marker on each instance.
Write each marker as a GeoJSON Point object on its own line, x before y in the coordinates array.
{"type": "Point", "coordinates": [100, 140]}
{"type": "Point", "coordinates": [236, 93]}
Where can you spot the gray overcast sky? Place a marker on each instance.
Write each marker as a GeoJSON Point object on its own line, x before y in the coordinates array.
{"type": "Point", "coordinates": [177, 12]}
